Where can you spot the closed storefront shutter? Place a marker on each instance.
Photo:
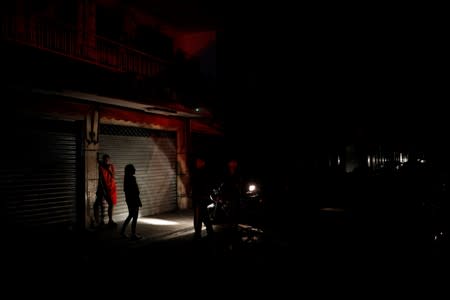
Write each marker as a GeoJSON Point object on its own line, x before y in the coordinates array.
{"type": "Point", "coordinates": [38, 176]}
{"type": "Point", "coordinates": [153, 153]}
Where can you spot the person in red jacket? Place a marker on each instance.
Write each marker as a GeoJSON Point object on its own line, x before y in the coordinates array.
{"type": "Point", "coordinates": [106, 190]}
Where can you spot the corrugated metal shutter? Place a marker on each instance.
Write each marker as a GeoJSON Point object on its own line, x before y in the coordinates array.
{"type": "Point", "coordinates": [153, 153]}
{"type": "Point", "coordinates": [38, 176]}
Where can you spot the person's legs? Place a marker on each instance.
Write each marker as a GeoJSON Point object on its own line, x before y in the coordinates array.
{"type": "Point", "coordinates": [125, 223]}
{"type": "Point", "coordinates": [135, 214]}
{"type": "Point", "coordinates": [98, 210]}
{"type": "Point", "coordinates": [197, 221]}
{"type": "Point", "coordinates": [110, 211]}
{"type": "Point", "coordinates": [205, 219]}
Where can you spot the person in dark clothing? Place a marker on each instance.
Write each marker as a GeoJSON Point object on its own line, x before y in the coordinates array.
{"type": "Point", "coordinates": [132, 199]}
{"type": "Point", "coordinates": [200, 191]}
{"type": "Point", "coordinates": [232, 189]}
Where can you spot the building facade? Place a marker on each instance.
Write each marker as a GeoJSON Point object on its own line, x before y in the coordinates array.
{"type": "Point", "coordinates": [84, 78]}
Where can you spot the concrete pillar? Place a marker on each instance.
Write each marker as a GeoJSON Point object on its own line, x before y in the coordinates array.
{"type": "Point", "coordinates": [91, 147]}
{"type": "Point", "coordinates": [183, 136]}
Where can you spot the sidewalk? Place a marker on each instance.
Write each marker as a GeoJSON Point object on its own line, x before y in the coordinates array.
{"type": "Point", "coordinates": [60, 243]}
{"type": "Point", "coordinates": [164, 235]}
{"type": "Point", "coordinates": [153, 228]}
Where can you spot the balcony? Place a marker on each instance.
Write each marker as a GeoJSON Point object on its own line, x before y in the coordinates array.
{"type": "Point", "coordinates": [90, 48]}
{"type": "Point", "coordinates": [96, 65]}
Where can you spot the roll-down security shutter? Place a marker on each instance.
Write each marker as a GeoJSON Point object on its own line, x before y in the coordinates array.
{"type": "Point", "coordinates": [153, 153]}
{"type": "Point", "coordinates": [38, 177]}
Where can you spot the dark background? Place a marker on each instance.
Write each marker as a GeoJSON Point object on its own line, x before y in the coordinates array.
{"type": "Point", "coordinates": [327, 73]}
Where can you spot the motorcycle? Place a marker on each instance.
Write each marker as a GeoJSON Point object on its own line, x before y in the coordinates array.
{"type": "Point", "coordinates": [249, 215]}
{"type": "Point", "coordinates": [219, 210]}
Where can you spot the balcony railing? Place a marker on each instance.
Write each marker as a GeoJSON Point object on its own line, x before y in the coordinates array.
{"type": "Point", "coordinates": [82, 46]}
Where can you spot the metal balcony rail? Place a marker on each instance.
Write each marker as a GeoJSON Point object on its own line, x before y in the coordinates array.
{"type": "Point", "coordinates": [82, 46]}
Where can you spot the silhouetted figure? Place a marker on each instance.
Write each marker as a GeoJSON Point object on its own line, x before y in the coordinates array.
{"type": "Point", "coordinates": [231, 189]}
{"type": "Point", "coordinates": [106, 190]}
{"type": "Point", "coordinates": [133, 200]}
{"type": "Point", "coordinates": [200, 191]}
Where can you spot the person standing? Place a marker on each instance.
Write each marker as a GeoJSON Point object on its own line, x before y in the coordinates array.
{"type": "Point", "coordinates": [133, 201]}
{"type": "Point", "coordinates": [232, 189]}
{"type": "Point", "coordinates": [106, 190]}
{"type": "Point", "coordinates": [200, 190]}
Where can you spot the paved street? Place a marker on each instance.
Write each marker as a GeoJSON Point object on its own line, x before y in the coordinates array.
{"type": "Point", "coordinates": [167, 251]}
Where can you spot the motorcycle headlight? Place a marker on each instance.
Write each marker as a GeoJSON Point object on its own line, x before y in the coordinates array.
{"type": "Point", "coordinates": [252, 189]}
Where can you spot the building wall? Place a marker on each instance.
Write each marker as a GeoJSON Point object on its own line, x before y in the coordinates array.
{"type": "Point", "coordinates": [75, 50]}
{"type": "Point", "coordinates": [92, 114]}
{"type": "Point", "coordinates": [116, 116]}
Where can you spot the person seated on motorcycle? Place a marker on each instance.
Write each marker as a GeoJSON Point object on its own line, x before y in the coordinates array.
{"type": "Point", "coordinates": [200, 191]}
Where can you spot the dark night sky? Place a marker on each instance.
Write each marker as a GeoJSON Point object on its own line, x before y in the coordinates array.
{"type": "Point", "coordinates": [302, 78]}
{"type": "Point", "coordinates": [335, 64]}
{"type": "Point", "coordinates": [322, 73]}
